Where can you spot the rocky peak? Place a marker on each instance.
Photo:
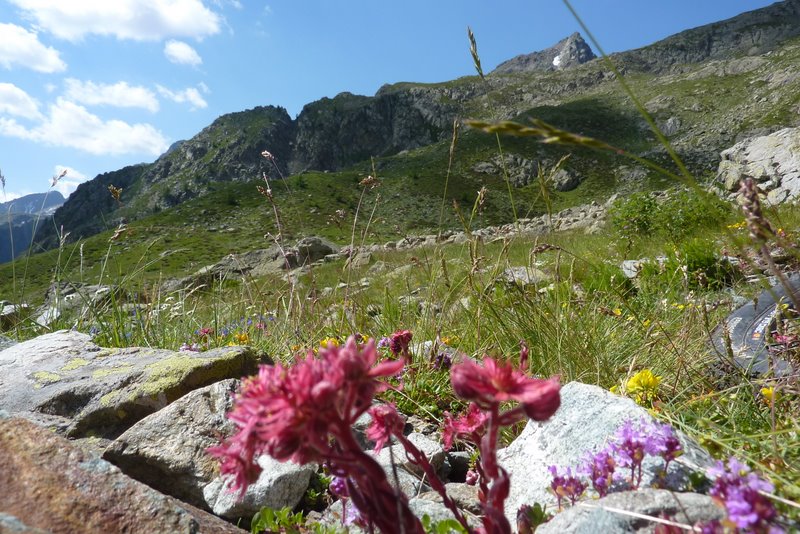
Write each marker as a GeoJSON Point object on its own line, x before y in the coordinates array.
{"type": "Point", "coordinates": [565, 54]}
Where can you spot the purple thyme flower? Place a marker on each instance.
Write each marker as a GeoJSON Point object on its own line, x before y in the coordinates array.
{"type": "Point", "coordinates": [566, 485]}
{"type": "Point", "coordinates": [740, 491]}
{"type": "Point", "coordinates": [630, 446]}
{"type": "Point", "coordinates": [664, 442]}
{"type": "Point", "coordinates": [338, 486]}
{"type": "Point", "coordinates": [599, 468]}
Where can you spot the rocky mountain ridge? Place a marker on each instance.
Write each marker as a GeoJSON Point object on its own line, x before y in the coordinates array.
{"type": "Point", "coordinates": [569, 52]}
{"type": "Point", "coordinates": [335, 133]}
{"type": "Point", "coordinates": [18, 218]}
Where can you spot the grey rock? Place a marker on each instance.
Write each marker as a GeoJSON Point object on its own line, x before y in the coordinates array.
{"type": "Point", "coordinates": [280, 484]}
{"type": "Point", "coordinates": [66, 377]}
{"type": "Point", "coordinates": [567, 53]}
{"type": "Point", "coordinates": [598, 516]}
{"type": "Point", "coordinates": [313, 248]}
{"type": "Point", "coordinates": [749, 34]}
{"type": "Point", "coordinates": [773, 161]}
{"type": "Point", "coordinates": [671, 126]}
{"type": "Point", "coordinates": [360, 259]}
{"type": "Point", "coordinates": [167, 450]}
{"type": "Point", "coordinates": [588, 416]}
{"type": "Point", "coordinates": [6, 342]}
{"type": "Point", "coordinates": [12, 525]}
{"type": "Point", "coordinates": [432, 450]}
{"type": "Point", "coordinates": [11, 315]}
{"type": "Point", "coordinates": [464, 495]}
{"type": "Point", "coordinates": [524, 277]}
{"type": "Point", "coordinates": [564, 180]}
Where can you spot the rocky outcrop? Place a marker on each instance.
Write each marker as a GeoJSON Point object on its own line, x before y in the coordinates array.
{"type": "Point", "coordinates": [588, 416]}
{"type": "Point", "coordinates": [306, 251]}
{"type": "Point", "coordinates": [167, 451]}
{"type": "Point", "coordinates": [773, 161]}
{"type": "Point", "coordinates": [20, 216]}
{"type": "Point", "coordinates": [227, 150]}
{"type": "Point", "coordinates": [51, 485]}
{"type": "Point", "coordinates": [334, 132]}
{"type": "Point", "coordinates": [750, 33]}
{"type": "Point", "coordinates": [567, 53]}
{"type": "Point", "coordinates": [81, 213]}
{"type": "Point", "coordinates": [602, 515]}
{"type": "Point", "coordinates": [65, 381]}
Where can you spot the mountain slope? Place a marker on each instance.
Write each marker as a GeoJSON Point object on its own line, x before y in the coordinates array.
{"type": "Point", "coordinates": [699, 85]}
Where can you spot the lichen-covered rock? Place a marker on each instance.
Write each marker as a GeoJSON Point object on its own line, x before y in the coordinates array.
{"type": "Point", "coordinates": [167, 450]}
{"type": "Point", "coordinates": [66, 381]}
{"type": "Point", "coordinates": [588, 417]}
{"type": "Point", "coordinates": [49, 484]}
{"type": "Point", "coordinates": [599, 516]}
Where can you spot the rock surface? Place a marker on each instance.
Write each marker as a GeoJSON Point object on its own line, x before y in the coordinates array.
{"type": "Point", "coordinates": [167, 450]}
{"type": "Point", "coordinates": [773, 161]}
{"type": "Point", "coordinates": [280, 484]}
{"type": "Point", "coordinates": [587, 418]}
{"type": "Point", "coordinates": [50, 484]}
{"type": "Point", "coordinates": [65, 380]}
{"type": "Point", "coordinates": [598, 516]}
{"type": "Point", "coordinates": [567, 53]}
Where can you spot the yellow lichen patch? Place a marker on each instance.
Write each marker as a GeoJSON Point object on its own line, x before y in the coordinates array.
{"type": "Point", "coordinates": [75, 363]}
{"type": "Point", "coordinates": [168, 373]}
{"type": "Point", "coordinates": [108, 399]}
{"type": "Point", "coordinates": [45, 377]}
{"type": "Point", "coordinates": [120, 368]}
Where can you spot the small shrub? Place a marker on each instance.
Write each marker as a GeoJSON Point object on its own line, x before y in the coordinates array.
{"type": "Point", "coordinates": [678, 215]}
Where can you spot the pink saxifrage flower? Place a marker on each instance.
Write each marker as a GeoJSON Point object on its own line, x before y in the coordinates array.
{"type": "Point", "coordinates": [386, 421]}
{"type": "Point", "coordinates": [399, 342]}
{"type": "Point", "coordinates": [494, 383]}
{"type": "Point", "coordinates": [291, 412]}
{"type": "Point", "coordinates": [472, 425]}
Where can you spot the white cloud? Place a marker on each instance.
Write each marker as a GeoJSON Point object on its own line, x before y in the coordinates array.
{"type": "Point", "coordinates": [19, 47]}
{"type": "Point", "coordinates": [10, 195]}
{"type": "Point", "coordinates": [140, 20]}
{"type": "Point", "coordinates": [69, 182]}
{"type": "Point", "coordinates": [190, 95]}
{"type": "Point", "coordinates": [15, 101]}
{"type": "Point", "coordinates": [119, 94]}
{"type": "Point", "coordinates": [71, 125]}
{"type": "Point", "coordinates": [181, 53]}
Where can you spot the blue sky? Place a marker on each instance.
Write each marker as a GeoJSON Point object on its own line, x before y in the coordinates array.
{"type": "Point", "coordinates": [94, 85]}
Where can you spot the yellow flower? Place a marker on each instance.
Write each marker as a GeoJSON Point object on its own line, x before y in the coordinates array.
{"type": "Point", "coordinates": [643, 387]}
{"type": "Point", "coordinates": [329, 342]}
{"type": "Point", "coordinates": [617, 312]}
{"type": "Point", "coordinates": [450, 340]}
{"type": "Point", "coordinates": [241, 338]}
{"type": "Point", "coordinates": [769, 395]}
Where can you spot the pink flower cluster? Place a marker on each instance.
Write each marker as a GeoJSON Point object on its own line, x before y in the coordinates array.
{"type": "Point", "coordinates": [305, 412]}
{"type": "Point", "coordinates": [489, 387]}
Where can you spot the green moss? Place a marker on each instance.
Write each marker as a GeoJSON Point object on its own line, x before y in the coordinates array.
{"type": "Point", "coordinates": [75, 363]}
